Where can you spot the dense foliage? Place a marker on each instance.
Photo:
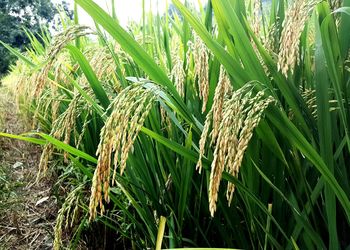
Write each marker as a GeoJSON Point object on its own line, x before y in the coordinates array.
{"type": "Point", "coordinates": [255, 97]}
{"type": "Point", "coordinates": [17, 16]}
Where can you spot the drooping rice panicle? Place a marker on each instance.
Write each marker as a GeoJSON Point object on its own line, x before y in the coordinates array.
{"type": "Point", "coordinates": [256, 18]}
{"type": "Point", "coordinates": [214, 116]}
{"type": "Point", "coordinates": [129, 111]}
{"type": "Point", "coordinates": [177, 72]}
{"type": "Point", "coordinates": [234, 116]}
{"type": "Point", "coordinates": [58, 44]}
{"type": "Point", "coordinates": [201, 69]}
{"type": "Point", "coordinates": [67, 215]}
{"type": "Point", "coordinates": [293, 26]}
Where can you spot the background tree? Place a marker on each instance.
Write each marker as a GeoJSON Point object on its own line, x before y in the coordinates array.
{"type": "Point", "coordinates": [15, 15]}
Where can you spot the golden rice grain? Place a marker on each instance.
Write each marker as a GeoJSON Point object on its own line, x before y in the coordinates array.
{"type": "Point", "coordinates": [177, 72]}
{"type": "Point", "coordinates": [214, 116]}
{"type": "Point", "coordinates": [256, 18]}
{"type": "Point", "coordinates": [293, 27]}
{"type": "Point", "coordinates": [129, 111]}
{"type": "Point", "coordinates": [60, 41]}
{"type": "Point", "coordinates": [234, 116]}
{"type": "Point", "coordinates": [201, 69]}
{"type": "Point", "coordinates": [67, 215]}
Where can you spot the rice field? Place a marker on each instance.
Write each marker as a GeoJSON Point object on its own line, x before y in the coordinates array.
{"type": "Point", "coordinates": [223, 127]}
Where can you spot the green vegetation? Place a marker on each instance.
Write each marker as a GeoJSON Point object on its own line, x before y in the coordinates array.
{"type": "Point", "coordinates": [16, 18]}
{"type": "Point", "coordinates": [232, 123]}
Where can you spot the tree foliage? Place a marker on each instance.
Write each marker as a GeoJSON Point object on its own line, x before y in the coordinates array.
{"type": "Point", "coordinates": [15, 17]}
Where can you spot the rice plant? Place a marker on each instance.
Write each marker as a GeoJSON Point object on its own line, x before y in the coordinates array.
{"type": "Point", "coordinates": [231, 122]}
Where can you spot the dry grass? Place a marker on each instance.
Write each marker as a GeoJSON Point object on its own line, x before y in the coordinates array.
{"type": "Point", "coordinates": [24, 224]}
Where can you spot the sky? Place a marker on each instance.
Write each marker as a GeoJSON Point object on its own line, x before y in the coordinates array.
{"type": "Point", "coordinates": [126, 9]}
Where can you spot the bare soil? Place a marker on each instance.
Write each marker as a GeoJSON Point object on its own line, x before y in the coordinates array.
{"type": "Point", "coordinates": [27, 207]}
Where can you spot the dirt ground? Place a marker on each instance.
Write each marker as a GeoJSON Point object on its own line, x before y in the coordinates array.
{"type": "Point", "coordinates": [27, 207]}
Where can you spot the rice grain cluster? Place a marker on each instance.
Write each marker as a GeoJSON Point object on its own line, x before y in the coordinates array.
{"type": "Point", "coordinates": [201, 69]}
{"type": "Point", "coordinates": [233, 118]}
{"type": "Point", "coordinates": [129, 111]}
{"type": "Point", "coordinates": [293, 27]}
